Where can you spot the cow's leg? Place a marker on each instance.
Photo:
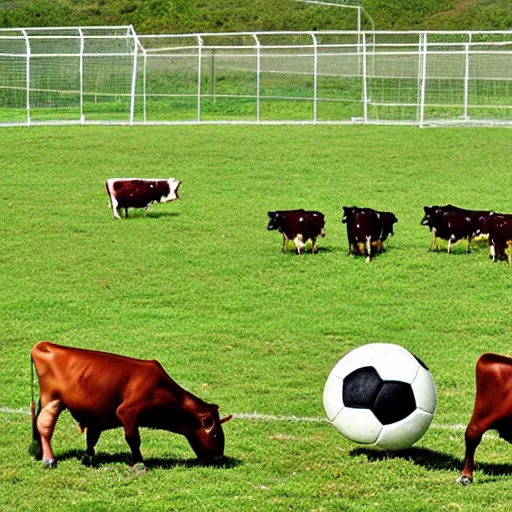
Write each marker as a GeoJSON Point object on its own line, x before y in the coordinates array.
{"type": "Point", "coordinates": [285, 241]}
{"type": "Point", "coordinates": [126, 212]}
{"type": "Point", "coordinates": [368, 247]}
{"type": "Point", "coordinates": [314, 246]}
{"type": "Point", "coordinates": [128, 419]}
{"type": "Point", "coordinates": [114, 208]}
{"type": "Point", "coordinates": [472, 437]}
{"type": "Point", "coordinates": [299, 242]}
{"type": "Point", "coordinates": [433, 244]}
{"type": "Point", "coordinates": [92, 437]}
{"type": "Point", "coordinates": [46, 422]}
{"type": "Point", "coordinates": [492, 252]}
{"type": "Point", "coordinates": [469, 245]}
{"type": "Point", "coordinates": [132, 436]}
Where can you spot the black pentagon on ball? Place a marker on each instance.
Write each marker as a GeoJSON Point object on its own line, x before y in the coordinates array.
{"type": "Point", "coordinates": [390, 401]}
{"type": "Point", "coordinates": [394, 402]}
{"type": "Point", "coordinates": [361, 387]}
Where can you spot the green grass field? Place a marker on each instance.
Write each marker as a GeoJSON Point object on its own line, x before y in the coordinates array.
{"type": "Point", "coordinates": [203, 287]}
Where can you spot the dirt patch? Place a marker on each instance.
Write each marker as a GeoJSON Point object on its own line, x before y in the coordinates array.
{"type": "Point", "coordinates": [460, 6]}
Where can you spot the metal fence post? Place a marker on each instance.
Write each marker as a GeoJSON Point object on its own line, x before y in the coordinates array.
{"type": "Point", "coordinates": [134, 77]}
{"type": "Point", "coordinates": [27, 72]}
{"type": "Point", "coordinates": [315, 78]}
{"type": "Point", "coordinates": [199, 69]}
{"type": "Point", "coordinates": [144, 91]}
{"type": "Point", "coordinates": [81, 75]}
{"type": "Point", "coordinates": [365, 80]}
{"type": "Point", "coordinates": [466, 79]}
{"type": "Point", "coordinates": [258, 76]}
{"type": "Point", "coordinates": [423, 79]}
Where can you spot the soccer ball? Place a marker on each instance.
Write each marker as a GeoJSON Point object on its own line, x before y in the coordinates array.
{"type": "Point", "coordinates": [380, 394]}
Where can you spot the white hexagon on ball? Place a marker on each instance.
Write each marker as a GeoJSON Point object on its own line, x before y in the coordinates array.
{"type": "Point", "coordinates": [381, 395]}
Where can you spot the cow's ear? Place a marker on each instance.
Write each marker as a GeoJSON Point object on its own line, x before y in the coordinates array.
{"type": "Point", "coordinates": [271, 214]}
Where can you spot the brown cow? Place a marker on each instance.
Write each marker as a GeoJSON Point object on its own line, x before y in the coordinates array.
{"type": "Point", "coordinates": [139, 193]}
{"type": "Point", "coordinates": [493, 407]}
{"type": "Point", "coordinates": [104, 391]}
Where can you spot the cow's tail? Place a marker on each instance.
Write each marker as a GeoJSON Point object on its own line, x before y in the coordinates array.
{"type": "Point", "coordinates": [35, 448]}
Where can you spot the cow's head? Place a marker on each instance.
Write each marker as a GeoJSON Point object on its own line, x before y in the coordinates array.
{"type": "Point", "coordinates": [389, 220]}
{"type": "Point", "coordinates": [206, 436]}
{"type": "Point", "coordinates": [274, 220]}
{"type": "Point", "coordinates": [348, 211]}
{"type": "Point", "coordinates": [428, 212]}
{"type": "Point", "coordinates": [174, 185]}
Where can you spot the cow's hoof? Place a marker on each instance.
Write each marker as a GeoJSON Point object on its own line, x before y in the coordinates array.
{"type": "Point", "coordinates": [139, 468]}
{"type": "Point", "coordinates": [464, 480]}
{"type": "Point", "coordinates": [50, 464]}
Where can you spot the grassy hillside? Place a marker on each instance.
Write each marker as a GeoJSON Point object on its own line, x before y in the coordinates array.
{"type": "Point", "coordinates": [183, 16]}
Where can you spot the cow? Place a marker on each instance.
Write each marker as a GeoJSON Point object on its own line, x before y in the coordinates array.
{"type": "Point", "coordinates": [139, 193]}
{"type": "Point", "coordinates": [103, 391]}
{"type": "Point", "coordinates": [452, 223]}
{"type": "Point", "coordinates": [500, 237]}
{"type": "Point", "coordinates": [299, 226]}
{"type": "Point", "coordinates": [367, 230]}
{"type": "Point", "coordinates": [493, 407]}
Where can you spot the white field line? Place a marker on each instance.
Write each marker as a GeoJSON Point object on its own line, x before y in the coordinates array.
{"type": "Point", "coordinates": [269, 418]}
{"type": "Point", "coordinates": [256, 416]}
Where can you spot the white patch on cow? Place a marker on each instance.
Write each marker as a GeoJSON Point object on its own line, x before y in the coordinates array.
{"type": "Point", "coordinates": [111, 196]}
{"type": "Point", "coordinates": [301, 219]}
{"type": "Point", "coordinates": [173, 190]}
{"type": "Point", "coordinates": [357, 226]}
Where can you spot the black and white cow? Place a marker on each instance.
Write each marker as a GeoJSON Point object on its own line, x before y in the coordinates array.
{"type": "Point", "coordinates": [452, 224]}
{"type": "Point", "coordinates": [299, 226]}
{"type": "Point", "coordinates": [367, 229]}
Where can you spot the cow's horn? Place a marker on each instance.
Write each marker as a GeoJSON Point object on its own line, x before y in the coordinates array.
{"type": "Point", "coordinates": [227, 418]}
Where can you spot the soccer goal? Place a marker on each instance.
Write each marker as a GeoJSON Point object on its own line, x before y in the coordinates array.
{"type": "Point", "coordinates": [75, 75]}
{"type": "Point", "coordinates": [110, 75]}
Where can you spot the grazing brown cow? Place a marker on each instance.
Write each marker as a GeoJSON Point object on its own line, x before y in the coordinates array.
{"type": "Point", "coordinates": [104, 391]}
{"type": "Point", "coordinates": [493, 407]}
{"type": "Point", "coordinates": [137, 193]}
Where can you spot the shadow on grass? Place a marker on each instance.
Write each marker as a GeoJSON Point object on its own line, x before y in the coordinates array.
{"type": "Point", "coordinates": [102, 459]}
{"type": "Point", "coordinates": [151, 215]}
{"type": "Point", "coordinates": [432, 460]}
{"type": "Point", "coordinates": [308, 252]}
